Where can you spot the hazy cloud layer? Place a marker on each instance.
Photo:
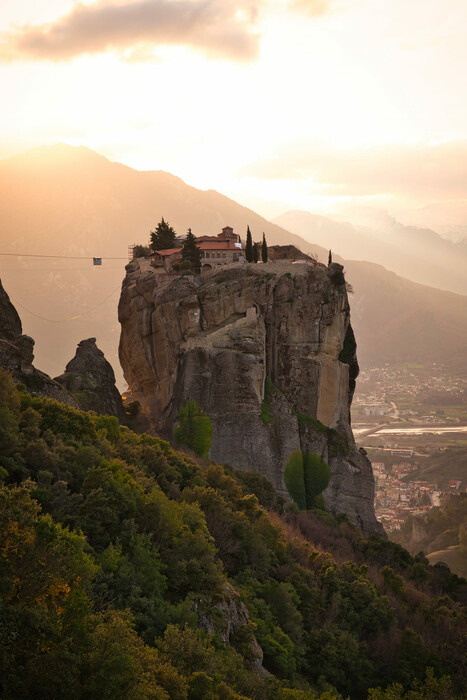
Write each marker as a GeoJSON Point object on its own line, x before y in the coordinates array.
{"type": "Point", "coordinates": [222, 28]}
{"type": "Point", "coordinates": [438, 170]}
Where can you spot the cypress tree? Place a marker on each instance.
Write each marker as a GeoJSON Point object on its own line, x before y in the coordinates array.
{"type": "Point", "coordinates": [249, 246]}
{"type": "Point", "coordinates": [255, 252]}
{"type": "Point", "coordinates": [191, 251]}
{"type": "Point", "coordinates": [329, 258]}
{"type": "Point", "coordinates": [264, 250]}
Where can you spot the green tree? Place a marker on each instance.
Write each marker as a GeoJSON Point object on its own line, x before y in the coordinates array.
{"type": "Point", "coordinates": [264, 250]}
{"type": "Point", "coordinates": [306, 476]}
{"type": "Point", "coordinates": [249, 246]}
{"type": "Point", "coordinates": [163, 236]}
{"type": "Point", "coordinates": [190, 251]}
{"type": "Point", "coordinates": [140, 251]}
{"type": "Point", "coordinates": [194, 428]}
{"type": "Point", "coordinates": [294, 478]}
{"type": "Point", "coordinates": [317, 475]}
{"type": "Point", "coordinates": [330, 257]}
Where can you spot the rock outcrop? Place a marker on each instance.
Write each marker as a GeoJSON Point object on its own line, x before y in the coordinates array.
{"type": "Point", "coordinates": [17, 355]}
{"type": "Point", "coordinates": [226, 618]}
{"type": "Point", "coordinates": [268, 352]}
{"type": "Point", "coordinates": [91, 379]}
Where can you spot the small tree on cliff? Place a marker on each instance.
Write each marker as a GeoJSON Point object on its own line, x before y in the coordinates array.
{"type": "Point", "coordinates": [317, 477]}
{"type": "Point", "coordinates": [194, 429]}
{"type": "Point", "coordinates": [264, 250]}
{"type": "Point", "coordinates": [329, 258]}
{"type": "Point", "coordinates": [306, 476]}
{"type": "Point", "coordinates": [163, 236]}
{"type": "Point", "coordinates": [190, 251]}
{"type": "Point", "coordinates": [249, 246]}
{"type": "Point", "coordinates": [295, 480]}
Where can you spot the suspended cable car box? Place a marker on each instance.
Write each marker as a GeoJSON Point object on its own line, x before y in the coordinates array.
{"type": "Point", "coordinates": [97, 261]}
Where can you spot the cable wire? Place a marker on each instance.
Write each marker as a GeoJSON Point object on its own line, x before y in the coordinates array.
{"type": "Point", "coordinates": [64, 320]}
{"type": "Point", "coordinates": [61, 257]}
{"type": "Point", "coordinates": [57, 269]}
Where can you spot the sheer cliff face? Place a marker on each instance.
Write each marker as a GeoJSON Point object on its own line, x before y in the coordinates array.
{"type": "Point", "coordinates": [268, 352]}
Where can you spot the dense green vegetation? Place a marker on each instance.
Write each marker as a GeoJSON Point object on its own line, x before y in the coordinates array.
{"type": "Point", "coordinates": [120, 559]}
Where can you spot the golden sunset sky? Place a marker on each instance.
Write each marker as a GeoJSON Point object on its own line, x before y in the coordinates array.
{"type": "Point", "coordinates": [298, 104]}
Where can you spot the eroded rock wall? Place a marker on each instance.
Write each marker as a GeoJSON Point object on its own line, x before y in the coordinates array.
{"type": "Point", "coordinates": [261, 348]}
{"type": "Point", "coordinates": [91, 379]}
{"type": "Point", "coordinates": [17, 355]}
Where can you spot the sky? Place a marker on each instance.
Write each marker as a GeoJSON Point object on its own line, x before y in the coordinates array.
{"type": "Point", "coordinates": [278, 104]}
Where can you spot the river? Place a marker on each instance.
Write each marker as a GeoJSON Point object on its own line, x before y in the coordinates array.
{"type": "Point", "coordinates": [437, 430]}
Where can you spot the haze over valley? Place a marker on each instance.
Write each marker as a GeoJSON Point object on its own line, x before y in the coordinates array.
{"type": "Point", "coordinates": [71, 202]}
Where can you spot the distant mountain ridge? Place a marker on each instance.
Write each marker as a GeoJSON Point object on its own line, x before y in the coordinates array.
{"type": "Point", "coordinates": [75, 190]}
{"type": "Point", "coordinates": [418, 254]}
{"type": "Point", "coordinates": [70, 201]}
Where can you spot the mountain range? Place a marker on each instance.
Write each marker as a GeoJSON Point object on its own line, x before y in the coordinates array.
{"type": "Point", "coordinates": [73, 203]}
{"type": "Point", "coordinates": [363, 233]}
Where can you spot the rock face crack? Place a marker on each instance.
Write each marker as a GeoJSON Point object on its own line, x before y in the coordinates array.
{"type": "Point", "coordinates": [219, 341]}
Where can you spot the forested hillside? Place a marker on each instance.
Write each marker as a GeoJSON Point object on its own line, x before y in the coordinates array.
{"type": "Point", "coordinates": [129, 570]}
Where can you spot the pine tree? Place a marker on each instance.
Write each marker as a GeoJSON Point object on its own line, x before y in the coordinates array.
{"type": "Point", "coordinates": [163, 236]}
{"type": "Point", "coordinates": [249, 246]}
{"type": "Point", "coordinates": [329, 258]}
{"type": "Point", "coordinates": [191, 251]}
{"type": "Point", "coordinates": [264, 250]}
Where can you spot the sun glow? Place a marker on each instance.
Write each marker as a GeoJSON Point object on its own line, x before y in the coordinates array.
{"type": "Point", "coordinates": [343, 77]}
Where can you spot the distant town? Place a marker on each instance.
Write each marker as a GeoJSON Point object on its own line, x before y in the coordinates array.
{"type": "Point", "coordinates": [412, 420]}
{"type": "Point", "coordinates": [396, 498]}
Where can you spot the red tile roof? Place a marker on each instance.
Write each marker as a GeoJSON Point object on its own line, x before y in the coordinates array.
{"type": "Point", "coordinates": [167, 251]}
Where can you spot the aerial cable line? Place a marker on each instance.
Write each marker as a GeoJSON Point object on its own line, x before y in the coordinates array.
{"type": "Point", "coordinates": [62, 257]}
{"type": "Point", "coordinates": [64, 320]}
{"type": "Point", "coordinates": [54, 269]}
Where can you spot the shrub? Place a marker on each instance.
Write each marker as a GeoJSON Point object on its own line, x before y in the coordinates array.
{"type": "Point", "coordinates": [141, 251]}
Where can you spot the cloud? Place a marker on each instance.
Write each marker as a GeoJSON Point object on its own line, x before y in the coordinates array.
{"type": "Point", "coordinates": [438, 170]}
{"type": "Point", "coordinates": [222, 28]}
{"type": "Point", "coordinates": [314, 8]}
